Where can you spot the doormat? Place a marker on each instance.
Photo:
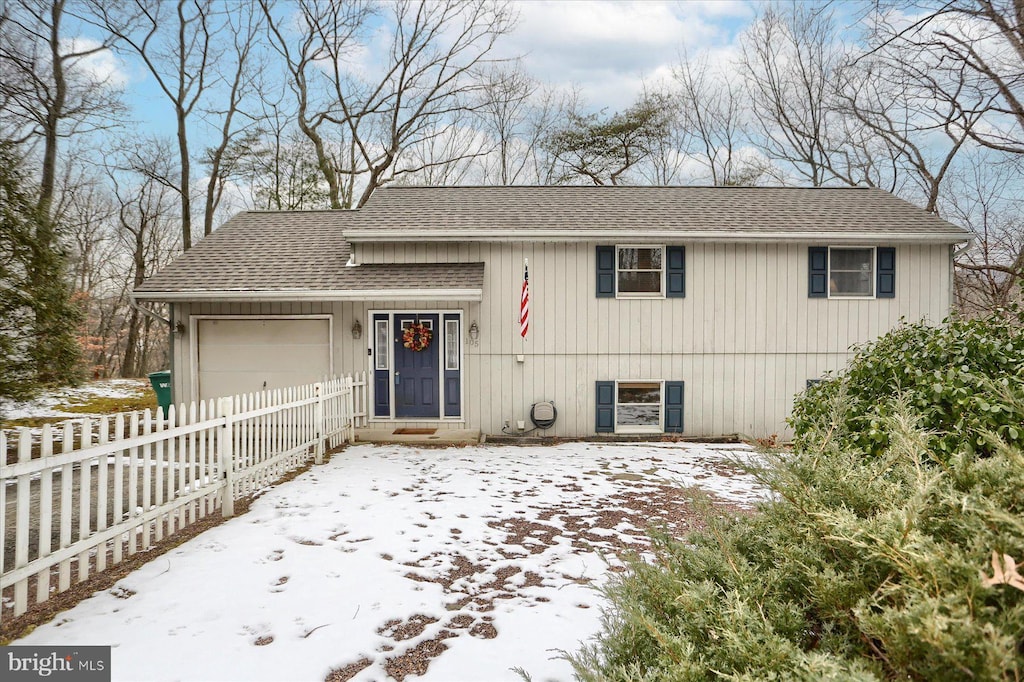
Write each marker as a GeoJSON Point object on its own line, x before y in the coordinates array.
{"type": "Point", "coordinates": [414, 432]}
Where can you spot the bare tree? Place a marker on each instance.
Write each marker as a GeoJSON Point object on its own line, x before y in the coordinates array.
{"type": "Point", "coordinates": [713, 108]}
{"type": "Point", "coordinates": [241, 75]}
{"type": "Point", "coordinates": [276, 162]}
{"type": "Point", "coordinates": [518, 113]}
{"type": "Point", "coordinates": [368, 117]}
{"type": "Point", "coordinates": [446, 156]}
{"type": "Point", "coordinates": [175, 40]}
{"type": "Point", "coordinates": [146, 236]}
{"type": "Point", "coordinates": [47, 89]}
{"type": "Point", "coordinates": [788, 61]}
{"type": "Point", "coordinates": [985, 196]}
{"type": "Point", "coordinates": [669, 157]}
{"type": "Point", "coordinates": [974, 51]}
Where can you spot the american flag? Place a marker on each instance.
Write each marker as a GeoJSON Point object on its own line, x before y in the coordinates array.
{"type": "Point", "coordinates": [524, 301]}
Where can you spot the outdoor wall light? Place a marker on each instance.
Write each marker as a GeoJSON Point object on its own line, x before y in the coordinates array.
{"type": "Point", "coordinates": [474, 331]}
{"type": "Point", "coordinates": [179, 328]}
{"type": "Point", "coordinates": [357, 330]}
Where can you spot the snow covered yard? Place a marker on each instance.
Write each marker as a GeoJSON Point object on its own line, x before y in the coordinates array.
{"type": "Point", "coordinates": [454, 564]}
{"type": "Point", "coordinates": [88, 400]}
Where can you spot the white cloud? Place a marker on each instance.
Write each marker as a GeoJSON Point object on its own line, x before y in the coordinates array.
{"type": "Point", "coordinates": [101, 67]}
{"type": "Point", "coordinates": [610, 48]}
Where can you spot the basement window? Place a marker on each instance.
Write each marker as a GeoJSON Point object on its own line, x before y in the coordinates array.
{"type": "Point", "coordinates": [638, 407]}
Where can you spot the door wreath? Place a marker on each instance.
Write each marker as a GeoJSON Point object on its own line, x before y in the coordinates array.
{"type": "Point", "coordinates": [416, 337]}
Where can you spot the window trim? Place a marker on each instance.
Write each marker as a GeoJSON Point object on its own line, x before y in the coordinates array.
{"type": "Point", "coordinates": [873, 279]}
{"type": "Point", "coordinates": [639, 428]}
{"type": "Point", "coordinates": [661, 280]}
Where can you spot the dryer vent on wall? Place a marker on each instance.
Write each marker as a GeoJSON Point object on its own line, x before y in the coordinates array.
{"type": "Point", "coordinates": [543, 414]}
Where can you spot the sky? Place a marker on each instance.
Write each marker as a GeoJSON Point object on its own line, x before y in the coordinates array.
{"type": "Point", "coordinates": [610, 49]}
{"type": "Point", "coordinates": [605, 49]}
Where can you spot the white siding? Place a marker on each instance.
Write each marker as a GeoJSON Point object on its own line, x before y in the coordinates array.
{"type": "Point", "coordinates": [745, 339]}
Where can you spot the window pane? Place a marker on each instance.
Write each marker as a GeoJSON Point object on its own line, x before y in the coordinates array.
{"type": "Point", "coordinates": [851, 259]}
{"type": "Point", "coordinates": [451, 344]}
{"type": "Point", "coordinates": [639, 393]}
{"type": "Point", "coordinates": [638, 415]}
{"type": "Point", "coordinates": [851, 272]}
{"type": "Point", "coordinates": [851, 284]}
{"type": "Point", "coordinates": [640, 259]}
{"type": "Point", "coordinates": [381, 351]}
{"type": "Point", "coordinates": [640, 282]}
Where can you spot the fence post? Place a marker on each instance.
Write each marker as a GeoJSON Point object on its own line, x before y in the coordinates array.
{"type": "Point", "coordinates": [225, 409]}
{"type": "Point", "coordinates": [350, 404]}
{"type": "Point", "coordinates": [318, 423]}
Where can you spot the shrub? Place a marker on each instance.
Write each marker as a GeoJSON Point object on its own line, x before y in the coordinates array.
{"type": "Point", "coordinates": [862, 567]}
{"type": "Point", "coordinates": [962, 379]}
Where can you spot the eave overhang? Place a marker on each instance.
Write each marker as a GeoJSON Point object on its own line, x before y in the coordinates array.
{"type": "Point", "coordinates": [420, 294]}
{"type": "Point", "coordinates": [364, 235]}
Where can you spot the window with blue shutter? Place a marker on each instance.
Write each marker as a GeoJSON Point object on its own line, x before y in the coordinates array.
{"type": "Point", "coordinates": [605, 418]}
{"type": "Point", "coordinates": [817, 272]}
{"type": "Point", "coordinates": [886, 284]}
{"type": "Point", "coordinates": [606, 272]}
{"type": "Point", "coordinates": [675, 272]}
{"type": "Point", "coordinates": [674, 406]}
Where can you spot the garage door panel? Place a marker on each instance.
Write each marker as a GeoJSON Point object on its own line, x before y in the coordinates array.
{"type": "Point", "coordinates": [233, 383]}
{"type": "Point", "coordinates": [264, 332]}
{"type": "Point", "coordinates": [245, 356]}
{"type": "Point", "coordinates": [308, 358]}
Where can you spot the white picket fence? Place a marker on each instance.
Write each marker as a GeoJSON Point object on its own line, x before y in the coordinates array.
{"type": "Point", "coordinates": [118, 485]}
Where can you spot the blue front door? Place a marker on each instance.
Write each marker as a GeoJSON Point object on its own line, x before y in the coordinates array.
{"type": "Point", "coordinates": [416, 373]}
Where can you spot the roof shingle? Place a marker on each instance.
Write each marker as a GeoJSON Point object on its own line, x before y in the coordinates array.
{"type": "Point", "coordinates": [307, 251]}
{"type": "Point", "coordinates": [730, 212]}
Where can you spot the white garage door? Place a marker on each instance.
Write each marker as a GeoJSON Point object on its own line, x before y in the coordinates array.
{"type": "Point", "coordinates": [245, 356]}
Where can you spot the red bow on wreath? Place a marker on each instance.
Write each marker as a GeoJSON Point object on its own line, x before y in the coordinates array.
{"type": "Point", "coordinates": [416, 337]}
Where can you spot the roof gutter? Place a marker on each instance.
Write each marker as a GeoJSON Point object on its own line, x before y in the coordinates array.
{"type": "Point", "coordinates": [690, 236]}
{"type": "Point", "coordinates": [308, 295]}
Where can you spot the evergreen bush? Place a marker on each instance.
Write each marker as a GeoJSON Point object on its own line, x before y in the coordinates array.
{"type": "Point", "coordinates": [878, 558]}
{"type": "Point", "coordinates": [961, 379]}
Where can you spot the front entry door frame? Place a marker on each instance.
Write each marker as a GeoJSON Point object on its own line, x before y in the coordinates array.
{"type": "Point", "coordinates": [440, 337]}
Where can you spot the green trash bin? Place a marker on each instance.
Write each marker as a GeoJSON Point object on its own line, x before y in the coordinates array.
{"type": "Point", "coordinates": [161, 382]}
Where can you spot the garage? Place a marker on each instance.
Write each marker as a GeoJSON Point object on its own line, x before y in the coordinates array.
{"type": "Point", "coordinates": [243, 355]}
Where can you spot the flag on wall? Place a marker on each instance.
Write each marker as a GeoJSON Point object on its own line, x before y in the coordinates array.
{"type": "Point", "coordinates": [524, 301]}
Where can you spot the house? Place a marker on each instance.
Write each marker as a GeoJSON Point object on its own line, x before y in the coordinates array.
{"type": "Point", "coordinates": [692, 310]}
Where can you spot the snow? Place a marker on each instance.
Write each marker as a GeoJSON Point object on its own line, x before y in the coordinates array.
{"type": "Point", "coordinates": [478, 540]}
{"type": "Point", "coordinates": [47, 404]}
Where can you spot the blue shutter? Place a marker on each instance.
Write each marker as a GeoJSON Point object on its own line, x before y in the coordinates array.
{"type": "Point", "coordinates": [675, 272]}
{"type": "Point", "coordinates": [606, 272]}
{"type": "Point", "coordinates": [817, 272]}
{"type": "Point", "coordinates": [674, 406]}
{"type": "Point", "coordinates": [886, 279]}
{"type": "Point", "coordinates": [605, 407]}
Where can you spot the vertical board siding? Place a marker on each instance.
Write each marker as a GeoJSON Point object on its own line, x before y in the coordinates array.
{"type": "Point", "coordinates": [744, 339]}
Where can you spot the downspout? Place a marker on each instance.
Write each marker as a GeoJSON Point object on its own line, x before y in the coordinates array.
{"type": "Point", "coordinates": [956, 253]}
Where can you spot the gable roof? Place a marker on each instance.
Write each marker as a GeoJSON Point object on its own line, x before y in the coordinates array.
{"type": "Point", "coordinates": [837, 214]}
{"type": "Point", "coordinates": [290, 255]}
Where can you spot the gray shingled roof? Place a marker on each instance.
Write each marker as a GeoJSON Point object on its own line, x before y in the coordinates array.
{"type": "Point", "coordinates": [294, 251]}
{"type": "Point", "coordinates": [728, 212]}
{"type": "Point", "coordinates": [277, 252]}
